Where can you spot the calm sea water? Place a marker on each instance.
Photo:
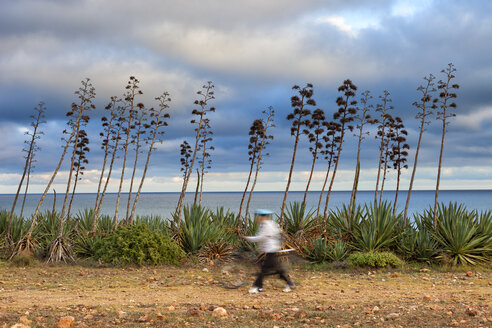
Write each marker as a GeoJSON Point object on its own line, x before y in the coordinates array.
{"type": "Point", "coordinates": [163, 204]}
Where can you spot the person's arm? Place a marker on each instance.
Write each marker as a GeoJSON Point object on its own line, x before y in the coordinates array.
{"type": "Point", "coordinates": [259, 237]}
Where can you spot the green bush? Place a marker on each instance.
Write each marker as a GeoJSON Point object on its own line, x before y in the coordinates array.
{"type": "Point", "coordinates": [374, 259]}
{"type": "Point", "coordinates": [138, 244]}
{"type": "Point", "coordinates": [155, 223]}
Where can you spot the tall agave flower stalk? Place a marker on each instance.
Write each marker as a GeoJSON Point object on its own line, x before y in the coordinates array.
{"type": "Point", "coordinates": [345, 114]}
{"type": "Point", "coordinates": [399, 153]}
{"type": "Point", "coordinates": [446, 95]}
{"type": "Point", "coordinates": [362, 118]}
{"type": "Point", "coordinates": [425, 108]}
{"type": "Point", "coordinates": [314, 131]}
{"type": "Point", "coordinates": [263, 131]}
{"type": "Point", "coordinates": [204, 162]}
{"type": "Point", "coordinates": [111, 137]}
{"type": "Point", "coordinates": [329, 152]}
{"type": "Point", "coordinates": [128, 114]}
{"type": "Point", "coordinates": [157, 122]}
{"type": "Point", "coordinates": [252, 153]}
{"type": "Point", "coordinates": [136, 138]}
{"type": "Point", "coordinates": [383, 108]}
{"type": "Point", "coordinates": [206, 95]}
{"type": "Point", "coordinates": [60, 249]}
{"type": "Point", "coordinates": [38, 119]}
{"type": "Point", "coordinates": [389, 135]}
{"type": "Point", "coordinates": [80, 161]}
{"type": "Point", "coordinates": [300, 104]}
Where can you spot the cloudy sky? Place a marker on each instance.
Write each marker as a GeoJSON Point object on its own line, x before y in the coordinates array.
{"type": "Point", "coordinates": [254, 51]}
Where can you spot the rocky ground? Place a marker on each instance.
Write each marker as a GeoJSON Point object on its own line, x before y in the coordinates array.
{"type": "Point", "coordinates": [194, 296]}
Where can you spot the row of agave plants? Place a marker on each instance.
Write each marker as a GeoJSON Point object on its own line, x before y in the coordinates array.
{"type": "Point", "coordinates": [461, 237]}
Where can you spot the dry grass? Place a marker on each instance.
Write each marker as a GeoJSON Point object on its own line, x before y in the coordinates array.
{"type": "Point", "coordinates": [141, 297]}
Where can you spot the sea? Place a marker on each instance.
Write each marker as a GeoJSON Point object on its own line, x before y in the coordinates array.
{"type": "Point", "coordinates": [163, 204]}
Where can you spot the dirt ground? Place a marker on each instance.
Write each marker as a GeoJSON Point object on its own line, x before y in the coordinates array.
{"type": "Point", "coordinates": [167, 296]}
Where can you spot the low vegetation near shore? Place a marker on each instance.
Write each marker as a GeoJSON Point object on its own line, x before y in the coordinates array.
{"type": "Point", "coordinates": [366, 236]}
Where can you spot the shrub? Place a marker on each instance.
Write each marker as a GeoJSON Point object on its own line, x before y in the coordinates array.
{"type": "Point", "coordinates": [374, 259]}
{"type": "Point", "coordinates": [138, 244]}
{"type": "Point", "coordinates": [155, 223]}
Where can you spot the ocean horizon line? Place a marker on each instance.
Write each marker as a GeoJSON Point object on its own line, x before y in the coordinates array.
{"type": "Point", "coordinates": [259, 191]}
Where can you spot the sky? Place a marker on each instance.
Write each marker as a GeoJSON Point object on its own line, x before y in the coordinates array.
{"type": "Point", "coordinates": [254, 52]}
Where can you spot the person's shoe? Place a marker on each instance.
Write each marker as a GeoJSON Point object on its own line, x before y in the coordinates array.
{"type": "Point", "coordinates": [255, 290]}
{"type": "Point", "coordinates": [289, 288]}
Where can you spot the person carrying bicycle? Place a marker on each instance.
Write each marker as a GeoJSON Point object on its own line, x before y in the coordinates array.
{"type": "Point", "coordinates": [269, 238]}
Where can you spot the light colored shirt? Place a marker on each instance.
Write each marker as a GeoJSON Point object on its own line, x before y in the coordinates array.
{"type": "Point", "coordinates": [268, 236]}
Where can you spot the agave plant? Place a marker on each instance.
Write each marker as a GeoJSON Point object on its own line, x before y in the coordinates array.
{"type": "Point", "coordinates": [317, 250]}
{"type": "Point", "coordinates": [460, 234]}
{"type": "Point", "coordinates": [20, 226]}
{"type": "Point", "coordinates": [228, 221]}
{"type": "Point", "coordinates": [197, 229]}
{"type": "Point", "coordinates": [418, 244]}
{"type": "Point", "coordinates": [379, 229]}
{"type": "Point", "coordinates": [155, 223]}
{"type": "Point", "coordinates": [298, 221]}
{"type": "Point", "coordinates": [47, 230]}
{"type": "Point", "coordinates": [338, 250]}
{"type": "Point", "coordinates": [344, 222]}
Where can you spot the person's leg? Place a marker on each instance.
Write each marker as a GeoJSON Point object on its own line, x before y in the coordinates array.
{"type": "Point", "coordinates": [266, 265]}
{"type": "Point", "coordinates": [283, 273]}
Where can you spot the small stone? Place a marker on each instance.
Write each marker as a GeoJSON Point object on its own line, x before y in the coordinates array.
{"type": "Point", "coordinates": [193, 311]}
{"type": "Point", "coordinates": [375, 309]}
{"type": "Point", "coordinates": [25, 320]}
{"type": "Point", "coordinates": [205, 270]}
{"type": "Point", "coordinates": [18, 325]}
{"type": "Point", "coordinates": [122, 314]}
{"type": "Point", "coordinates": [427, 298]}
{"type": "Point", "coordinates": [171, 308]}
{"type": "Point", "coordinates": [450, 313]}
{"type": "Point", "coordinates": [246, 307]}
{"type": "Point", "coordinates": [89, 317]}
{"type": "Point", "coordinates": [469, 273]}
{"type": "Point", "coordinates": [392, 316]}
{"type": "Point", "coordinates": [256, 306]}
{"type": "Point", "coordinates": [65, 322]}
{"type": "Point", "coordinates": [160, 316]}
{"type": "Point", "coordinates": [395, 275]}
{"type": "Point", "coordinates": [301, 314]}
{"type": "Point", "coordinates": [472, 312]}
{"type": "Point", "coordinates": [454, 323]}
{"type": "Point", "coordinates": [219, 312]}
{"type": "Point", "coordinates": [143, 318]}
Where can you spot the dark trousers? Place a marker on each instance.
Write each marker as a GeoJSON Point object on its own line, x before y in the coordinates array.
{"type": "Point", "coordinates": [271, 265]}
